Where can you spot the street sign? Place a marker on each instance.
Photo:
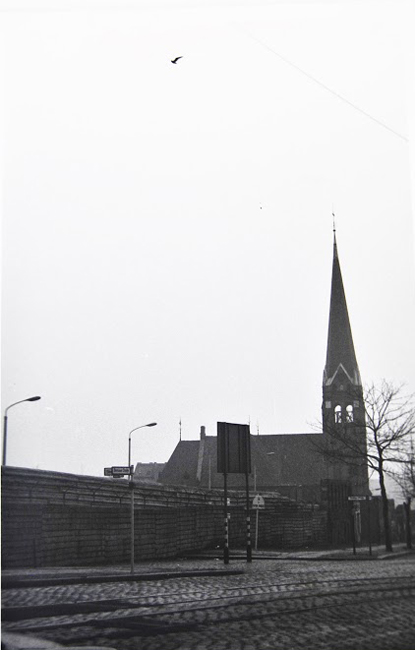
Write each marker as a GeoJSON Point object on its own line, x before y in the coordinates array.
{"type": "Point", "coordinates": [121, 469]}
{"type": "Point", "coordinates": [360, 498]}
{"type": "Point", "coordinates": [258, 502]}
{"type": "Point", "coordinates": [118, 471]}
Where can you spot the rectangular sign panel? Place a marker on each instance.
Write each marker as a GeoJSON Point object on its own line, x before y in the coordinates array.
{"type": "Point", "coordinates": [359, 498]}
{"type": "Point", "coordinates": [118, 471]}
{"type": "Point", "coordinates": [234, 448]}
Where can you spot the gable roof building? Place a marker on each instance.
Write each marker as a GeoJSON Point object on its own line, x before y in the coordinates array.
{"type": "Point", "coordinates": [291, 463]}
{"type": "Point", "coordinates": [282, 462]}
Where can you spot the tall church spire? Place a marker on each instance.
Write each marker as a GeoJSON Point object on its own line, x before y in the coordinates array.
{"type": "Point", "coordinates": [340, 348]}
{"type": "Point", "coordinates": [343, 404]}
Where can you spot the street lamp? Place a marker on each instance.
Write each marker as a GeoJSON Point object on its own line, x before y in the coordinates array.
{"type": "Point", "coordinates": [152, 424]}
{"type": "Point", "coordinates": [28, 399]}
{"type": "Point", "coordinates": [142, 426]}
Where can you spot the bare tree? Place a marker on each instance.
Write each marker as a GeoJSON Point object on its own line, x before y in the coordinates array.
{"type": "Point", "coordinates": [389, 424]}
{"type": "Point", "coordinates": [404, 475]}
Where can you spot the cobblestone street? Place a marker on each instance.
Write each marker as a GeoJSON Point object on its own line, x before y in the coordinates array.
{"type": "Point", "coordinates": [281, 604]}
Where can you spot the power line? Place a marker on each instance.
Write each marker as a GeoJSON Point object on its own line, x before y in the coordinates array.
{"type": "Point", "coordinates": [330, 90]}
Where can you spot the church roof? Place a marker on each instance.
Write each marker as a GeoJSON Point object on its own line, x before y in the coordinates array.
{"type": "Point", "coordinates": [283, 459]}
{"type": "Point", "coordinates": [181, 468]}
{"type": "Point", "coordinates": [340, 348]}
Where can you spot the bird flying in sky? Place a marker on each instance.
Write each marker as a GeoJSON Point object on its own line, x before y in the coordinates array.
{"type": "Point", "coordinates": [176, 59]}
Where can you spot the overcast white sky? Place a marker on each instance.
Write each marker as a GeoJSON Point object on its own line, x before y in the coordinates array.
{"type": "Point", "coordinates": [167, 233]}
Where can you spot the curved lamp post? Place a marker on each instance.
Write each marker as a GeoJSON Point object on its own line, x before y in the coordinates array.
{"type": "Point", "coordinates": [28, 399]}
{"type": "Point", "coordinates": [152, 424]}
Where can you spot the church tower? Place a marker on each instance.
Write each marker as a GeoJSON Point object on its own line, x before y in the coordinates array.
{"type": "Point", "coordinates": [343, 405]}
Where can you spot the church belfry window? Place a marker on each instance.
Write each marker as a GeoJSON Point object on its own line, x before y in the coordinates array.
{"type": "Point", "coordinates": [349, 413]}
{"type": "Point", "coordinates": [337, 414]}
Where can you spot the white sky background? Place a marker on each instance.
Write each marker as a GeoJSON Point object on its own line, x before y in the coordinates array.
{"type": "Point", "coordinates": [167, 233]}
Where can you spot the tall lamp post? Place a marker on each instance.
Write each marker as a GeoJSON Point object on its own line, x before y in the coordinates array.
{"type": "Point", "coordinates": [28, 399]}
{"type": "Point", "coordinates": [152, 424]}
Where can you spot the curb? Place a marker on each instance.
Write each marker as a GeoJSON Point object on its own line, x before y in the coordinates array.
{"type": "Point", "coordinates": [12, 582]}
{"type": "Point", "coordinates": [335, 557]}
{"type": "Point", "coordinates": [13, 641]}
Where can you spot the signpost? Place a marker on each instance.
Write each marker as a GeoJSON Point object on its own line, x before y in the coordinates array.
{"type": "Point", "coordinates": [356, 519]}
{"type": "Point", "coordinates": [258, 504]}
{"type": "Point", "coordinates": [234, 456]}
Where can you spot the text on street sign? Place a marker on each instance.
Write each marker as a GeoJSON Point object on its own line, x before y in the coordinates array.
{"type": "Point", "coordinates": [360, 498]}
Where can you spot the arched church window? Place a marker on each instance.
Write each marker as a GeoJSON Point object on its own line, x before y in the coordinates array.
{"type": "Point", "coordinates": [337, 414]}
{"type": "Point", "coordinates": [349, 413]}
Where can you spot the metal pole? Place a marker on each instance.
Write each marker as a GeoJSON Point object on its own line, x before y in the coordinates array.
{"type": "Point", "coordinates": [152, 424]}
{"type": "Point", "coordinates": [369, 510]}
{"type": "Point", "coordinates": [407, 508]}
{"type": "Point", "coordinates": [4, 438]}
{"type": "Point", "coordinates": [132, 524]}
{"type": "Point", "coordinates": [353, 531]}
{"type": "Point", "coordinates": [225, 490]}
{"type": "Point", "coordinates": [129, 452]}
{"type": "Point", "coordinates": [256, 529]}
{"type": "Point", "coordinates": [131, 508]}
{"type": "Point", "coordinates": [248, 519]}
{"type": "Point", "coordinates": [226, 546]}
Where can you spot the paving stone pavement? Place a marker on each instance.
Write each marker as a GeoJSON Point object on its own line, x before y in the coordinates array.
{"type": "Point", "coordinates": [279, 604]}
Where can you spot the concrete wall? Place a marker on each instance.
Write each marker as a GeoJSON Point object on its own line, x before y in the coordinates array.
{"type": "Point", "coordinates": [55, 519]}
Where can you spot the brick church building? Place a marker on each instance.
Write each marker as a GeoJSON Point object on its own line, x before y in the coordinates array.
{"type": "Point", "coordinates": [292, 464]}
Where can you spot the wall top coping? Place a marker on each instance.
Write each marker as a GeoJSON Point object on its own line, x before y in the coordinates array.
{"type": "Point", "coordinates": [33, 477]}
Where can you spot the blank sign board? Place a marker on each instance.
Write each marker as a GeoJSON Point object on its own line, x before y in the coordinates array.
{"type": "Point", "coordinates": [234, 448]}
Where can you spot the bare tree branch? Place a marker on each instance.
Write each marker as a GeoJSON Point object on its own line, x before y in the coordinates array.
{"type": "Point", "coordinates": [389, 445]}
